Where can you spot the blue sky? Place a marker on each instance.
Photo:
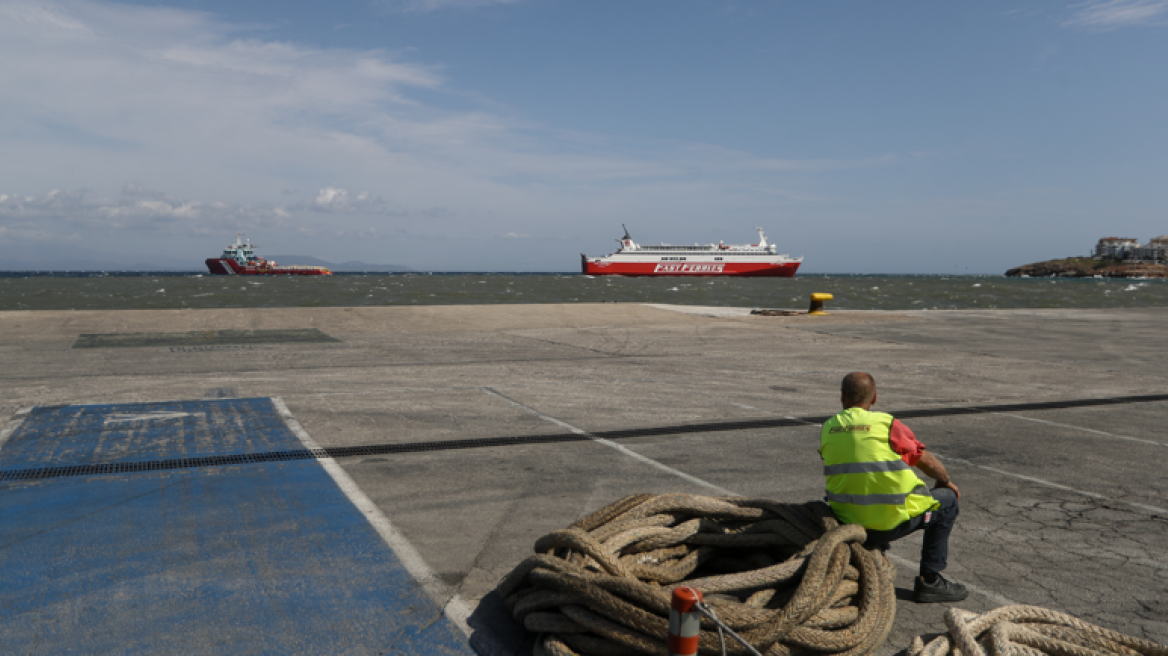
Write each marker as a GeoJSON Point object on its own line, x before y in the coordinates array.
{"type": "Point", "coordinates": [908, 137]}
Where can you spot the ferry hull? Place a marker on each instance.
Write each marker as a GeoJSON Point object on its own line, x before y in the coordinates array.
{"type": "Point", "coordinates": [742, 269]}
{"type": "Point", "coordinates": [229, 267]}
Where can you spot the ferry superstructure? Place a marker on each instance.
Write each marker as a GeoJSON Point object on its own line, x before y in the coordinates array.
{"type": "Point", "coordinates": [632, 259]}
{"type": "Point", "coordinates": [239, 259]}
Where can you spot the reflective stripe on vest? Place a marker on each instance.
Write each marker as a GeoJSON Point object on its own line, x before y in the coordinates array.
{"type": "Point", "coordinates": [867, 482]}
{"type": "Point", "coordinates": [875, 499]}
{"type": "Point", "coordinates": [865, 467]}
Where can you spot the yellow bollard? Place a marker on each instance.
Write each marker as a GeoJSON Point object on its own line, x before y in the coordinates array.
{"type": "Point", "coordinates": [817, 303]}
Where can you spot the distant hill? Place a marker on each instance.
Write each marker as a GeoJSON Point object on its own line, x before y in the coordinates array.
{"type": "Point", "coordinates": [351, 266]}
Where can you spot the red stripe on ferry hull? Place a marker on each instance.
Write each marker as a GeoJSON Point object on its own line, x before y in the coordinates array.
{"type": "Point", "coordinates": [286, 272]}
{"type": "Point", "coordinates": [760, 269]}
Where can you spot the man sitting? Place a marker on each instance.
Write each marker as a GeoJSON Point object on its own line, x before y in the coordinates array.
{"type": "Point", "coordinates": [868, 459]}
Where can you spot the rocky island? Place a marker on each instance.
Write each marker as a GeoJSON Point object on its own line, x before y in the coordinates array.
{"type": "Point", "coordinates": [1114, 258]}
{"type": "Point", "coordinates": [1087, 267]}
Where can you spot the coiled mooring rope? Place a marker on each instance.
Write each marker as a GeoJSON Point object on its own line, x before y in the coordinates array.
{"type": "Point", "coordinates": [1029, 631]}
{"type": "Point", "coordinates": [786, 577]}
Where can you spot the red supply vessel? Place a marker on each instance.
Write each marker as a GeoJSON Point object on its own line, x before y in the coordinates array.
{"type": "Point", "coordinates": [632, 259]}
{"type": "Point", "coordinates": [239, 259]}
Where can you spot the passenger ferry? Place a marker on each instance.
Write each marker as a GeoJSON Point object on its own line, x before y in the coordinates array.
{"type": "Point", "coordinates": [632, 259]}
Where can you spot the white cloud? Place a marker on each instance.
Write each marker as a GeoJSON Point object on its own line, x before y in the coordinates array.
{"type": "Point", "coordinates": [1112, 14]}
{"type": "Point", "coordinates": [150, 211]}
{"type": "Point", "coordinates": [41, 17]}
{"type": "Point", "coordinates": [331, 200]}
{"type": "Point", "coordinates": [118, 88]}
{"type": "Point", "coordinates": [137, 209]}
{"type": "Point", "coordinates": [424, 6]}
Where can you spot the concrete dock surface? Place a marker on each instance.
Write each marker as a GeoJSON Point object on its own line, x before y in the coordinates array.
{"type": "Point", "coordinates": [397, 548]}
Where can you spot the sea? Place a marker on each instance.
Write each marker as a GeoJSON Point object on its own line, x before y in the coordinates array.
{"type": "Point", "coordinates": [170, 290]}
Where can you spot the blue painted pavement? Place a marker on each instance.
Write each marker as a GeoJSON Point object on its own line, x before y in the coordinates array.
{"type": "Point", "coordinates": [267, 558]}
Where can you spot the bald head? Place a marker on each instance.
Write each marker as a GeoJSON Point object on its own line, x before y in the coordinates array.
{"type": "Point", "coordinates": [857, 389]}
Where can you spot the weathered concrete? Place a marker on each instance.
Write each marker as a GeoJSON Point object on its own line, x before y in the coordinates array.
{"type": "Point", "coordinates": [1063, 508]}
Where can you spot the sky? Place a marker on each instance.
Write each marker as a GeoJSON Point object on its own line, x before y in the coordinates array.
{"type": "Point", "coordinates": [514, 135]}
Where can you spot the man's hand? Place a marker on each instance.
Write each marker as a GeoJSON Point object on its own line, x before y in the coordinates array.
{"type": "Point", "coordinates": [935, 470]}
{"type": "Point", "coordinates": [949, 484]}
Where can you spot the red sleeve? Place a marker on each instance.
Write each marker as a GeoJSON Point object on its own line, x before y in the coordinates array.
{"type": "Point", "coordinates": [902, 441]}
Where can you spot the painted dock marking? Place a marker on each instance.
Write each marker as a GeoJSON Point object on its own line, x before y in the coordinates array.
{"type": "Point", "coordinates": [160, 415]}
{"type": "Point", "coordinates": [455, 607]}
{"type": "Point", "coordinates": [613, 445]}
{"type": "Point", "coordinates": [12, 425]}
{"type": "Point", "coordinates": [268, 557]}
{"type": "Point", "coordinates": [1081, 429]}
{"type": "Point", "coordinates": [1155, 510]}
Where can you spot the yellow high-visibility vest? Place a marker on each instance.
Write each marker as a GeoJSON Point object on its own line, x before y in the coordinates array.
{"type": "Point", "coordinates": [867, 482]}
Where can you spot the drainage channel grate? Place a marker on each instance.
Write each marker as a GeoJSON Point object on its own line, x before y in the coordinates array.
{"type": "Point", "coordinates": [37, 473]}
{"type": "Point", "coordinates": [487, 442]}
{"type": "Point", "coordinates": [159, 465]}
{"type": "Point", "coordinates": [202, 338]}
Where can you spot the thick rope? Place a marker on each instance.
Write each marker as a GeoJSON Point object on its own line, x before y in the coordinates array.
{"type": "Point", "coordinates": [1029, 631]}
{"type": "Point", "coordinates": [787, 578]}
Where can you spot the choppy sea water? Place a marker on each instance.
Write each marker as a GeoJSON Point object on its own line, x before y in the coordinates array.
{"type": "Point", "coordinates": [135, 291]}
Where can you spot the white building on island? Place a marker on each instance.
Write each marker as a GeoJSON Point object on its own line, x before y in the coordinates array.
{"type": "Point", "coordinates": [1121, 248]}
{"type": "Point", "coordinates": [1155, 250]}
{"type": "Point", "coordinates": [1116, 248]}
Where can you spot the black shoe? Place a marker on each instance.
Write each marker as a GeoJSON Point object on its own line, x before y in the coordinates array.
{"type": "Point", "coordinates": [941, 591]}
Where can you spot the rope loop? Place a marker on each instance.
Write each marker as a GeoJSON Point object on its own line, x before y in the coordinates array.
{"type": "Point", "coordinates": [1029, 631]}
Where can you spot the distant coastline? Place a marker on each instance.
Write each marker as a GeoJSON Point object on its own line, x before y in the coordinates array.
{"type": "Point", "coordinates": [1088, 267]}
{"type": "Point", "coordinates": [94, 265]}
{"type": "Point", "coordinates": [354, 266]}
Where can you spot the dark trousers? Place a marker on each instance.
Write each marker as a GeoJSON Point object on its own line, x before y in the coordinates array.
{"type": "Point", "coordinates": [937, 524]}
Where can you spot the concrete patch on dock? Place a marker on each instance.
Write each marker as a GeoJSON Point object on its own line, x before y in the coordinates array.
{"type": "Point", "coordinates": [203, 338]}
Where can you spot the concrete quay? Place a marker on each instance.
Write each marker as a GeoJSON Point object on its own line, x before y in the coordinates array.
{"type": "Point", "coordinates": [1065, 490]}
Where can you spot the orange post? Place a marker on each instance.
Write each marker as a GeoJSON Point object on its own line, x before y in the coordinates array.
{"type": "Point", "coordinates": [685, 622]}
